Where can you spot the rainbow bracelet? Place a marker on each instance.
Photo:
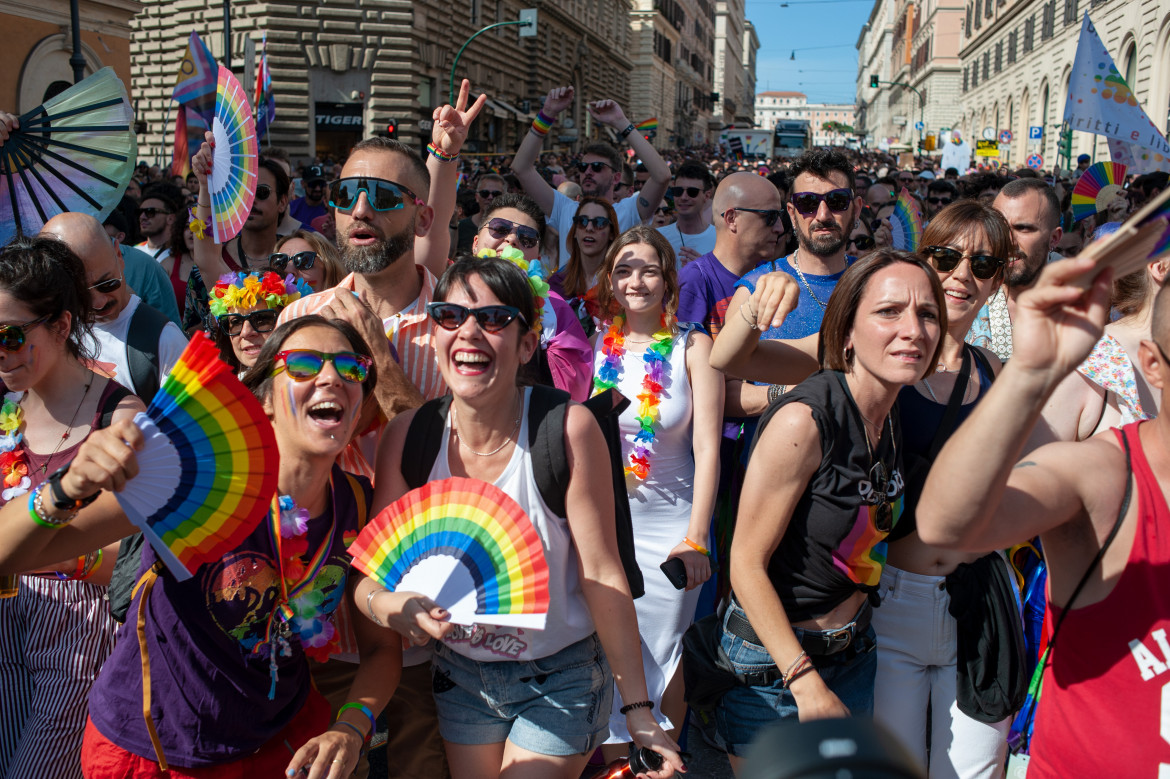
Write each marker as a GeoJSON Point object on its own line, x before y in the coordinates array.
{"type": "Point", "coordinates": [542, 124]}
{"type": "Point", "coordinates": [697, 547]}
{"type": "Point", "coordinates": [439, 154]}
{"type": "Point", "coordinates": [364, 709]}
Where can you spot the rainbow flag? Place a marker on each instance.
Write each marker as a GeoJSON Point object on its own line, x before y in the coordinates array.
{"type": "Point", "coordinates": [194, 91]}
{"type": "Point", "coordinates": [649, 124]}
{"type": "Point", "coordinates": [265, 102]}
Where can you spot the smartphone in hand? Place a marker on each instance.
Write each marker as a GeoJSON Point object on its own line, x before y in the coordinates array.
{"type": "Point", "coordinates": [676, 571]}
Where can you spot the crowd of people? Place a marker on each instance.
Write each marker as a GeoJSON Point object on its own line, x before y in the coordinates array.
{"type": "Point", "coordinates": [774, 463]}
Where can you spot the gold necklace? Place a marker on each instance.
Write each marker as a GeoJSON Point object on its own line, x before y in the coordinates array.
{"type": "Point", "coordinates": [508, 440]}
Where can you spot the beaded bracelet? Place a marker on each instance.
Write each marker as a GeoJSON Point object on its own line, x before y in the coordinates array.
{"type": "Point", "coordinates": [364, 709]}
{"type": "Point", "coordinates": [542, 123]}
{"type": "Point", "coordinates": [639, 705]}
{"type": "Point", "coordinates": [36, 510]}
{"type": "Point", "coordinates": [697, 547]}
{"type": "Point", "coordinates": [441, 155]}
{"type": "Point", "coordinates": [775, 391]}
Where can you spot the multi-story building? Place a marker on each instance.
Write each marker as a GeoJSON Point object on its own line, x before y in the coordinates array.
{"type": "Point", "coordinates": [730, 74]}
{"type": "Point", "coordinates": [342, 69]}
{"type": "Point", "coordinates": [874, 123]}
{"type": "Point", "coordinates": [1017, 55]}
{"type": "Point", "coordinates": [772, 107]}
{"type": "Point", "coordinates": [751, 45]}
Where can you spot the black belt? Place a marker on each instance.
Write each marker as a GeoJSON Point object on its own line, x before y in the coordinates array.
{"type": "Point", "coordinates": [818, 643]}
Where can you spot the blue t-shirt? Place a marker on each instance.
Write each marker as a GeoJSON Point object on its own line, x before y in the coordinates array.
{"type": "Point", "coordinates": [806, 319]}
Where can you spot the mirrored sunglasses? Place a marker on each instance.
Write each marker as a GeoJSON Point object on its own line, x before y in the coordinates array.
{"type": "Point", "coordinates": [382, 194]}
{"type": "Point", "coordinates": [304, 364]}
{"type": "Point", "coordinates": [500, 228]}
{"type": "Point", "coordinates": [12, 336]}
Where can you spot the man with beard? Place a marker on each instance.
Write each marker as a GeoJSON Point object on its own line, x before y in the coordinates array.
{"type": "Point", "coordinates": [1033, 212]}
{"type": "Point", "coordinates": [599, 165]}
{"type": "Point", "coordinates": [312, 205]}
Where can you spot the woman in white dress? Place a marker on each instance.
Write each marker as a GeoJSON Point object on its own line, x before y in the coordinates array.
{"type": "Point", "coordinates": [676, 408]}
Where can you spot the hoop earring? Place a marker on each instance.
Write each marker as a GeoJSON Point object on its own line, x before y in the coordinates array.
{"type": "Point", "coordinates": [848, 353]}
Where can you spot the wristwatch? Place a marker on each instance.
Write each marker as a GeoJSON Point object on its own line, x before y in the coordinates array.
{"type": "Point", "coordinates": [61, 501]}
{"type": "Point", "coordinates": [626, 132]}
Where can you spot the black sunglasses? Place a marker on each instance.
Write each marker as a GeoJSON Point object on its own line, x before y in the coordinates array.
{"type": "Point", "coordinates": [863, 243]}
{"type": "Point", "coordinates": [12, 336]}
{"type": "Point", "coordinates": [678, 191]}
{"type": "Point", "coordinates": [489, 194]}
{"type": "Point", "coordinates": [500, 228]}
{"type": "Point", "coordinates": [107, 286]}
{"type": "Point", "coordinates": [491, 319]}
{"type": "Point", "coordinates": [883, 515]}
{"type": "Point", "coordinates": [769, 215]}
{"type": "Point", "coordinates": [383, 195]}
{"type": "Point", "coordinates": [838, 201]}
{"type": "Point", "coordinates": [262, 321]}
{"type": "Point", "coordinates": [596, 167]}
{"type": "Point", "coordinates": [946, 259]}
{"type": "Point", "coordinates": [599, 222]}
{"type": "Point", "coordinates": [151, 213]}
{"type": "Point", "coordinates": [263, 191]}
{"type": "Point", "coordinates": [300, 261]}
{"type": "Point", "coordinates": [936, 201]}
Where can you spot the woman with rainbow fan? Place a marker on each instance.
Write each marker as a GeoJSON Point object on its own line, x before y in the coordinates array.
{"type": "Point", "coordinates": [646, 355]}
{"type": "Point", "coordinates": [233, 697]}
{"type": "Point", "coordinates": [246, 307]}
{"type": "Point", "coordinates": [534, 702]}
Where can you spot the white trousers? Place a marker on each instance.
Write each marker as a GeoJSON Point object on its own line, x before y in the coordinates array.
{"type": "Point", "coordinates": [916, 664]}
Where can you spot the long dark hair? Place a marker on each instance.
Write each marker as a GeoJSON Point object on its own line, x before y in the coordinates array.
{"type": "Point", "coordinates": [44, 274]}
{"type": "Point", "coordinates": [575, 283]}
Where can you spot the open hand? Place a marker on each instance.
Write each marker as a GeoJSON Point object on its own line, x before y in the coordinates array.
{"type": "Point", "coordinates": [608, 112]}
{"type": "Point", "coordinates": [557, 100]}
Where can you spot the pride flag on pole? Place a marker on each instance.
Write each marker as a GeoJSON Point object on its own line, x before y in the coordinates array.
{"type": "Point", "coordinates": [265, 101]}
{"type": "Point", "coordinates": [194, 91]}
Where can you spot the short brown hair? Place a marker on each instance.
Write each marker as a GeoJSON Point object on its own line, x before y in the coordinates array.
{"type": "Point", "coordinates": [326, 254]}
{"type": "Point", "coordinates": [640, 234]}
{"type": "Point", "coordinates": [964, 217]}
{"type": "Point", "coordinates": [841, 313]}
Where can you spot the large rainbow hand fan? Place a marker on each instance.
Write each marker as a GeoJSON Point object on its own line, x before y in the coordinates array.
{"type": "Point", "coordinates": [208, 471]}
{"type": "Point", "coordinates": [906, 222]}
{"type": "Point", "coordinates": [1096, 188]}
{"type": "Point", "coordinates": [464, 544]}
{"type": "Point", "coordinates": [236, 163]}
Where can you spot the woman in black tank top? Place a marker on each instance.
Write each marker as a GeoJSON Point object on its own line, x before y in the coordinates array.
{"type": "Point", "coordinates": [823, 489]}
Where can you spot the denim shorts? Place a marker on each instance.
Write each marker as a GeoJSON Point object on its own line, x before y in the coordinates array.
{"type": "Point", "coordinates": [557, 705]}
{"type": "Point", "coordinates": [745, 710]}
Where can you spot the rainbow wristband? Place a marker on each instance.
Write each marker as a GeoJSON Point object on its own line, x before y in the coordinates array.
{"type": "Point", "coordinates": [364, 709]}
{"type": "Point", "coordinates": [439, 154]}
{"type": "Point", "coordinates": [542, 124]}
{"type": "Point", "coordinates": [697, 547]}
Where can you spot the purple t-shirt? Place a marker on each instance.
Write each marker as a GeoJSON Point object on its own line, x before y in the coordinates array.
{"type": "Point", "coordinates": [705, 289]}
{"type": "Point", "coordinates": [209, 662]}
{"type": "Point", "coordinates": [305, 213]}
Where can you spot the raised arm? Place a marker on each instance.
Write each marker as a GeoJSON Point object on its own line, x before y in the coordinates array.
{"type": "Point", "coordinates": [524, 163]}
{"type": "Point", "coordinates": [1054, 328]}
{"type": "Point", "coordinates": [610, 113]}
{"type": "Point", "coordinates": [451, 124]}
{"type": "Point", "coordinates": [208, 254]}
{"type": "Point", "coordinates": [739, 351]}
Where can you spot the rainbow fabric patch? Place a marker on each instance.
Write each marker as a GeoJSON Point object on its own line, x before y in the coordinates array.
{"type": "Point", "coordinates": [647, 124]}
{"type": "Point", "coordinates": [906, 222]}
{"type": "Point", "coordinates": [465, 544]}
{"type": "Point", "coordinates": [1096, 188]}
{"type": "Point", "coordinates": [236, 159]}
{"type": "Point", "coordinates": [861, 555]}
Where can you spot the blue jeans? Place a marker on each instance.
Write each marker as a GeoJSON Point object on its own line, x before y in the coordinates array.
{"type": "Point", "coordinates": [745, 710]}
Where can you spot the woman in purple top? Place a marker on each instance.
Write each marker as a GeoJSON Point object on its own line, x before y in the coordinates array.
{"type": "Point", "coordinates": [227, 689]}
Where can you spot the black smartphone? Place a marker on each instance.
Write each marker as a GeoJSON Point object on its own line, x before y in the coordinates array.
{"type": "Point", "coordinates": [676, 571]}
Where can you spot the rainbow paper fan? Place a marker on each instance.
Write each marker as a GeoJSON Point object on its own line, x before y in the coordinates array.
{"type": "Point", "coordinates": [208, 471]}
{"type": "Point", "coordinates": [1096, 188]}
{"type": "Point", "coordinates": [236, 163]}
{"type": "Point", "coordinates": [467, 546]}
{"type": "Point", "coordinates": [906, 222]}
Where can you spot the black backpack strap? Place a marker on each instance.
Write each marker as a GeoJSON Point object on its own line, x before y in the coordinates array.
{"type": "Point", "coordinates": [146, 326]}
{"type": "Point", "coordinates": [424, 437]}
{"type": "Point", "coordinates": [984, 363]}
{"type": "Point", "coordinates": [546, 441]}
{"type": "Point", "coordinates": [951, 415]}
{"type": "Point", "coordinates": [106, 412]}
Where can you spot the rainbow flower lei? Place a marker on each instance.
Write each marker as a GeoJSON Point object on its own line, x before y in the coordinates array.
{"type": "Point", "coordinates": [532, 269]}
{"type": "Point", "coordinates": [13, 461]}
{"type": "Point", "coordinates": [244, 290]}
{"type": "Point", "coordinates": [656, 359]}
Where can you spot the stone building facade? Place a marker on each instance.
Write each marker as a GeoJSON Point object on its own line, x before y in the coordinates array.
{"type": "Point", "coordinates": [735, 53]}
{"type": "Point", "coordinates": [1017, 55]}
{"type": "Point", "coordinates": [772, 107]}
{"type": "Point", "coordinates": [342, 70]}
{"type": "Point", "coordinates": [874, 122]}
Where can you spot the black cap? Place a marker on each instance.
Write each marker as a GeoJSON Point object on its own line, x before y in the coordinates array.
{"type": "Point", "coordinates": [314, 173]}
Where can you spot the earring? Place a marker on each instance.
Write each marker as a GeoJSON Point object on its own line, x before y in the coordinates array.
{"type": "Point", "coordinates": [848, 355]}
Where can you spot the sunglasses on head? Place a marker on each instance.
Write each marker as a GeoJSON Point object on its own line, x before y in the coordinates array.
{"type": "Point", "coordinates": [491, 319]}
{"type": "Point", "coordinates": [263, 191]}
{"type": "Point", "coordinates": [489, 194]}
{"type": "Point", "coordinates": [862, 243]}
{"type": "Point", "coordinates": [262, 322]}
{"type": "Point", "coordinates": [526, 236]}
{"type": "Point", "coordinates": [678, 191]}
{"type": "Point", "coordinates": [382, 195]}
{"type": "Point", "coordinates": [300, 261]}
{"type": "Point", "coordinates": [304, 364]}
{"type": "Point", "coordinates": [946, 259]}
{"type": "Point", "coordinates": [769, 215]}
{"type": "Point", "coordinates": [107, 286]}
{"type": "Point", "coordinates": [12, 336]}
{"type": "Point", "coordinates": [939, 201]}
{"type": "Point", "coordinates": [598, 222]}
{"type": "Point", "coordinates": [838, 201]}
{"type": "Point", "coordinates": [596, 167]}
{"type": "Point", "coordinates": [151, 213]}
{"type": "Point", "coordinates": [883, 515]}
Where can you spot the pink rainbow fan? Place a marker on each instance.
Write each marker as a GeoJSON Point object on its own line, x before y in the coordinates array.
{"type": "Point", "coordinates": [236, 163]}
{"type": "Point", "coordinates": [1096, 188]}
{"type": "Point", "coordinates": [906, 222]}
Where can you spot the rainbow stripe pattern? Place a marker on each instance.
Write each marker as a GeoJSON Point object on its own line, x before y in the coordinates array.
{"type": "Point", "coordinates": [1096, 188]}
{"type": "Point", "coordinates": [647, 124]}
{"type": "Point", "coordinates": [465, 544]}
{"type": "Point", "coordinates": [237, 160]}
{"type": "Point", "coordinates": [208, 471]}
{"type": "Point", "coordinates": [906, 222]}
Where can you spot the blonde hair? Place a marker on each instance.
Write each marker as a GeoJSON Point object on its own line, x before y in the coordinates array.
{"type": "Point", "coordinates": [327, 255]}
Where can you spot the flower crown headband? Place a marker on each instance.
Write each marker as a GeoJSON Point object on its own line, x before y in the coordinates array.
{"type": "Point", "coordinates": [245, 290]}
{"type": "Point", "coordinates": [532, 269]}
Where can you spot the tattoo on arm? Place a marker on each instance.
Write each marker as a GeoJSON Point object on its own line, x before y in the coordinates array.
{"type": "Point", "coordinates": [643, 202]}
{"type": "Point", "coordinates": [1024, 464]}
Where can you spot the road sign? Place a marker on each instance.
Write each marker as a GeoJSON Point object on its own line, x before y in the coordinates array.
{"type": "Point", "coordinates": [1035, 133]}
{"type": "Point", "coordinates": [919, 126]}
{"type": "Point", "coordinates": [1005, 136]}
{"type": "Point", "coordinates": [989, 133]}
{"type": "Point", "coordinates": [1035, 162]}
{"type": "Point", "coordinates": [986, 149]}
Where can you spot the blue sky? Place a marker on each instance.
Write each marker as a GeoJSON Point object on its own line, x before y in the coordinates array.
{"type": "Point", "coordinates": [826, 75]}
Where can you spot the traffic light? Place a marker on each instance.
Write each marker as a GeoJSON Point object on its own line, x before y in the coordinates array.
{"type": "Point", "coordinates": [874, 81]}
{"type": "Point", "coordinates": [392, 128]}
{"type": "Point", "coordinates": [1066, 143]}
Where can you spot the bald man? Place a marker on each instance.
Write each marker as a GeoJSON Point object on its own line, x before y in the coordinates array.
{"type": "Point", "coordinates": [137, 345]}
{"type": "Point", "coordinates": [748, 229]}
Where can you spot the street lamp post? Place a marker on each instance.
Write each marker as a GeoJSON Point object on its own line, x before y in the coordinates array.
{"type": "Point", "coordinates": [523, 22]}
{"type": "Point", "coordinates": [227, 34]}
{"type": "Point", "coordinates": [77, 58]}
{"type": "Point", "coordinates": [921, 104]}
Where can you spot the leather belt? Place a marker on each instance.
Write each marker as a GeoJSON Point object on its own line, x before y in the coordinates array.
{"type": "Point", "coordinates": [818, 643]}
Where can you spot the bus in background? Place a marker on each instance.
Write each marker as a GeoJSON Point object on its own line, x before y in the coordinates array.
{"type": "Point", "coordinates": [792, 138]}
{"type": "Point", "coordinates": [747, 143]}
